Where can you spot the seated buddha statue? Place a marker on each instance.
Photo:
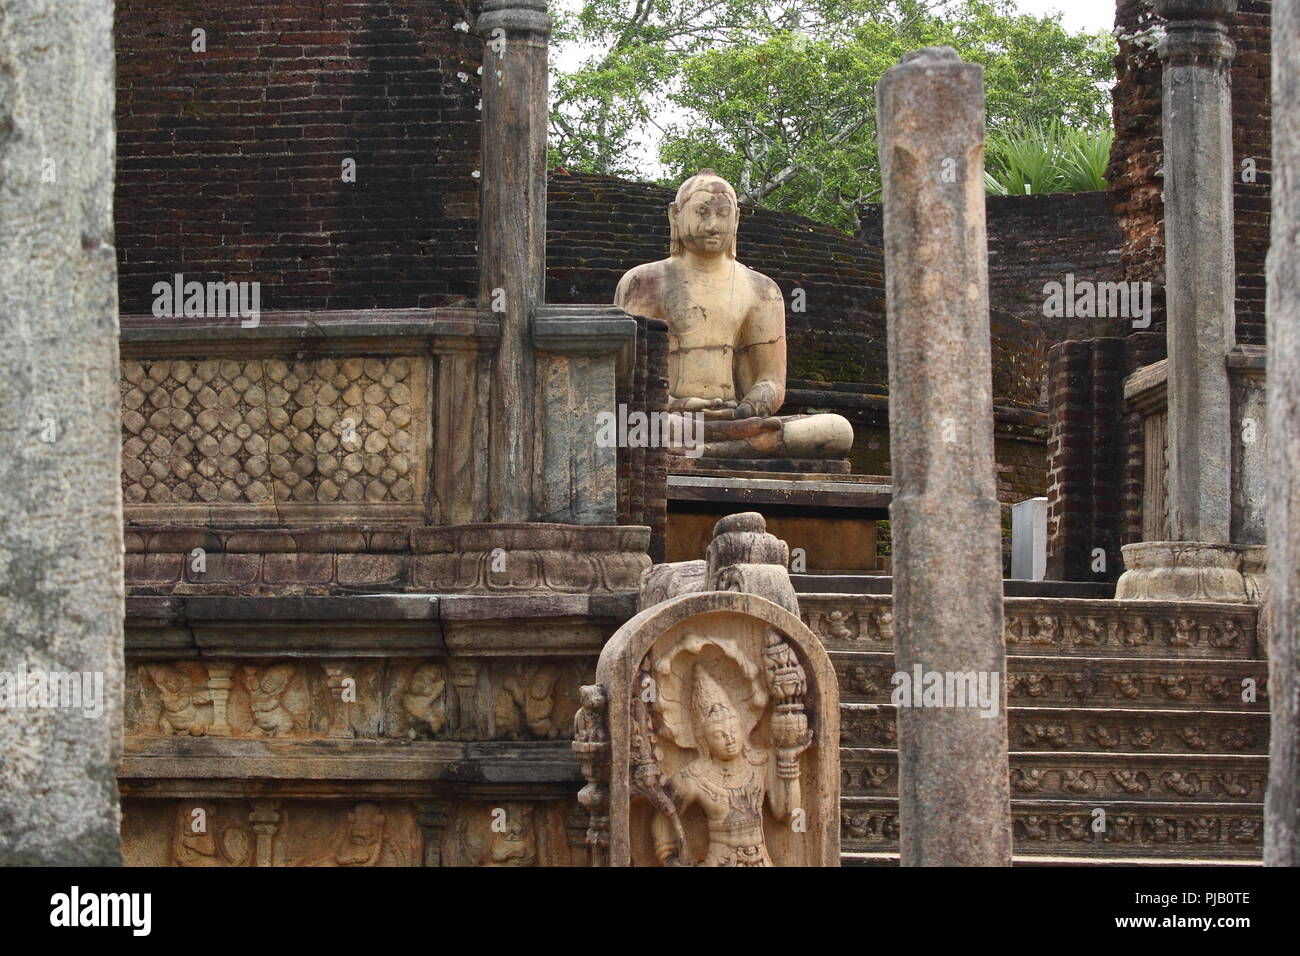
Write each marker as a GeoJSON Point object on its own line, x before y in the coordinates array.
{"type": "Point", "coordinates": [726, 334]}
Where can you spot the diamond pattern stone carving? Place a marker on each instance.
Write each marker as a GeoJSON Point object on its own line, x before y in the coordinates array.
{"type": "Point", "coordinates": [263, 430]}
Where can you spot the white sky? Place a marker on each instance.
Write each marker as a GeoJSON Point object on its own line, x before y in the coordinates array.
{"type": "Point", "coordinates": [1091, 15]}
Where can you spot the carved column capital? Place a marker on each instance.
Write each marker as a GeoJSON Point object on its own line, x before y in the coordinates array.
{"type": "Point", "coordinates": [1197, 31]}
{"type": "Point", "coordinates": [514, 16]}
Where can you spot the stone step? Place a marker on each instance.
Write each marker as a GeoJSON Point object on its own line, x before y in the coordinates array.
{"type": "Point", "coordinates": [1067, 627]}
{"type": "Point", "coordinates": [1076, 730]}
{"type": "Point", "coordinates": [1086, 683]}
{"type": "Point", "coordinates": [1065, 829]}
{"type": "Point", "coordinates": [1090, 778]}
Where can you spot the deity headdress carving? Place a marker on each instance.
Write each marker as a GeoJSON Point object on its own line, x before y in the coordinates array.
{"type": "Point", "coordinates": [705, 679]}
{"type": "Point", "coordinates": [709, 701]}
{"type": "Point", "coordinates": [704, 179]}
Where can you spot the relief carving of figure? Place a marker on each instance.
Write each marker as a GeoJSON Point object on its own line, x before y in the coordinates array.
{"type": "Point", "coordinates": [536, 697]}
{"type": "Point", "coordinates": [422, 699]}
{"type": "Point", "coordinates": [279, 705]}
{"type": "Point", "coordinates": [186, 709]}
{"type": "Point", "coordinates": [725, 772]}
{"type": "Point", "coordinates": [729, 781]}
{"type": "Point", "coordinates": [363, 841]}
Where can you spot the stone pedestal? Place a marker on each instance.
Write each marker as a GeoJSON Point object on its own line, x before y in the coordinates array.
{"type": "Point", "coordinates": [1183, 571]}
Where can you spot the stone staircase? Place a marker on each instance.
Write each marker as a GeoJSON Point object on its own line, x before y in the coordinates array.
{"type": "Point", "coordinates": [1138, 731]}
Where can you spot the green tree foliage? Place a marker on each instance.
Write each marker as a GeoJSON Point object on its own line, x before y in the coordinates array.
{"type": "Point", "coordinates": [780, 97]}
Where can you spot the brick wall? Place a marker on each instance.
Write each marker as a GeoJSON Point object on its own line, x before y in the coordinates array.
{"type": "Point", "coordinates": [230, 160]}
{"type": "Point", "coordinates": [1088, 455]}
{"type": "Point", "coordinates": [1135, 172]}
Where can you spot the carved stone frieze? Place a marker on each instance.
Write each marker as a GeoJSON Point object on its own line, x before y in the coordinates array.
{"type": "Point", "coordinates": [428, 699]}
{"type": "Point", "coordinates": [1085, 830]}
{"type": "Point", "coordinates": [1099, 682]}
{"type": "Point", "coordinates": [1073, 626]}
{"type": "Point", "coordinates": [1163, 777]}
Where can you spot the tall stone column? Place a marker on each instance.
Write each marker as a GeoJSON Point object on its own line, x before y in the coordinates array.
{"type": "Point", "coordinates": [1199, 562]}
{"type": "Point", "coordinates": [1200, 270]}
{"type": "Point", "coordinates": [954, 792]}
{"type": "Point", "coordinates": [1282, 802]}
{"type": "Point", "coordinates": [512, 233]}
{"type": "Point", "coordinates": [61, 590]}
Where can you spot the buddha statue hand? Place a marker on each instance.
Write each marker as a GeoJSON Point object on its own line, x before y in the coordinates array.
{"type": "Point", "coordinates": [709, 406]}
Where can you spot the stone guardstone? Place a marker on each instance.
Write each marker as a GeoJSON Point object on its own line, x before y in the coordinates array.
{"type": "Point", "coordinates": [711, 737]}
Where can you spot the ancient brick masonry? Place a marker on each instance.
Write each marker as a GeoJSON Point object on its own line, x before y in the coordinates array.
{"type": "Point", "coordinates": [230, 161]}
{"type": "Point", "coordinates": [1085, 394]}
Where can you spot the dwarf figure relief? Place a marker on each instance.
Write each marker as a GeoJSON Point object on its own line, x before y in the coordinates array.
{"type": "Point", "coordinates": [186, 705]}
{"type": "Point", "coordinates": [365, 839]}
{"type": "Point", "coordinates": [726, 334]}
{"type": "Point", "coordinates": [277, 700]}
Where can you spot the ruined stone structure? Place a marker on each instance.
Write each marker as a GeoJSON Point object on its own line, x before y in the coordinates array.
{"type": "Point", "coordinates": [390, 601]}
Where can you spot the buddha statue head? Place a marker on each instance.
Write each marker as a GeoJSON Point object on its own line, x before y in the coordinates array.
{"type": "Point", "coordinates": [704, 217]}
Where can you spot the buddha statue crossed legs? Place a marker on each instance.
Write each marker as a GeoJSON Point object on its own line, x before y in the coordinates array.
{"type": "Point", "coordinates": [726, 334]}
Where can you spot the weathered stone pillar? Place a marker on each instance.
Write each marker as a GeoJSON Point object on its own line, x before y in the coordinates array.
{"type": "Point", "coordinates": [512, 233]}
{"type": "Point", "coordinates": [1282, 803]}
{"type": "Point", "coordinates": [61, 592]}
{"type": "Point", "coordinates": [954, 793]}
{"type": "Point", "coordinates": [1200, 271]}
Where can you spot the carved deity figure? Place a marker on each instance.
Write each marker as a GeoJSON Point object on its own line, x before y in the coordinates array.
{"type": "Point", "coordinates": [730, 780]}
{"type": "Point", "coordinates": [726, 334]}
{"type": "Point", "coordinates": [422, 699]}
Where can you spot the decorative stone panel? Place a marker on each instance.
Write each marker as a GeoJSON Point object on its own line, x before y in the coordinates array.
{"type": "Point", "coordinates": [253, 434]}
